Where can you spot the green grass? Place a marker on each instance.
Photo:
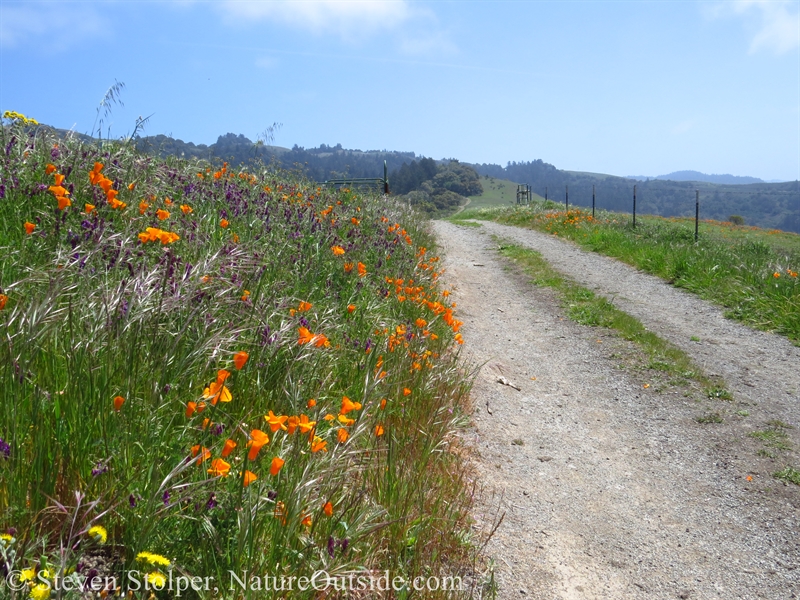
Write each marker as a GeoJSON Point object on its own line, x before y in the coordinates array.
{"type": "Point", "coordinates": [707, 418]}
{"type": "Point", "coordinates": [496, 192]}
{"type": "Point", "coordinates": [585, 307]}
{"type": "Point", "coordinates": [789, 474]}
{"type": "Point", "coordinates": [332, 295]}
{"type": "Point", "coordinates": [752, 273]}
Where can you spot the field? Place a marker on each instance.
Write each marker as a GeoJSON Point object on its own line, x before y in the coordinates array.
{"type": "Point", "coordinates": [496, 192]}
{"type": "Point", "coordinates": [751, 272]}
{"type": "Point", "coordinates": [209, 371]}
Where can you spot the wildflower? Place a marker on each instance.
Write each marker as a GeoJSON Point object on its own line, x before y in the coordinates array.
{"type": "Point", "coordinates": [420, 323]}
{"type": "Point", "coordinates": [118, 402]}
{"type": "Point", "coordinates": [246, 295]}
{"type": "Point", "coordinates": [49, 169]}
{"type": "Point", "coordinates": [240, 359]}
{"type": "Point", "coordinates": [132, 186]}
{"type": "Point", "coordinates": [379, 430]}
{"type": "Point", "coordinates": [406, 392]}
{"type": "Point", "coordinates": [383, 403]}
{"type": "Point", "coordinates": [257, 439]}
{"type": "Point", "coordinates": [203, 452]}
{"type": "Point", "coordinates": [342, 435]}
{"type": "Point", "coordinates": [143, 206]}
{"type": "Point", "coordinates": [229, 446]}
{"type": "Point", "coordinates": [328, 509]}
{"type": "Point", "coordinates": [87, 208]}
{"type": "Point", "coordinates": [351, 308]}
{"type": "Point", "coordinates": [318, 445]}
{"type": "Point", "coordinates": [348, 267]}
{"type": "Point", "coordinates": [345, 420]}
{"type": "Point", "coordinates": [305, 425]}
{"type": "Point", "coordinates": [280, 511]}
{"type": "Point", "coordinates": [156, 579]}
{"type": "Point", "coordinates": [224, 223]}
{"type": "Point", "coordinates": [337, 250]}
{"type": "Point", "coordinates": [305, 520]}
{"type": "Point", "coordinates": [776, 275]}
{"type": "Point", "coordinates": [27, 575]}
{"type": "Point", "coordinates": [63, 202]}
{"type": "Point", "coordinates": [311, 403]}
{"type": "Point", "coordinates": [29, 227]}
{"type": "Point", "coordinates": [153, 559]}
{"type": "Point", "coordinates": [99, 469]}
{"type": "Point", "coordinates": [291, 424]}
{"type": "Point", "coordinates": [276, 421]}
{"type": "Point", "coordinates": [362, 269]}
{"type": "Point", "coordinates": [191, 408]}
{"type": "Point", "coordinates": [219, 468]}
{"type": "Point", "coordinates": [306, 337]}
{"type": "Point", "coordinates": [212, 501]}
{"type": "Point", "coordinates": [162, 214]}
{"type": "Point", "coordinates": [216, 392]}
{"type": "Point", "coordinates": [165, 496]}
{"type": "Point", "coordinates": [3, 300]}
{"type": "Point", "coordinates": [348, 405]}
{"type": "Point", "coordinates": [40, 591]}
{"type": "Point", "coordinates": [186, 209]}
{"type": "Point", "coordinates": [249, 477]}
{"type": "Point", "coordinates": [99, 533]}
{"type": "Point", "coordinates": [276, 466]}
{"type": "Point", "coordinates": [6, 539]}
{"type": "Point", "coordinates": [94, 174]}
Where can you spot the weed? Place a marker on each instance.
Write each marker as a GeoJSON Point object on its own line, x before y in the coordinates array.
{"type": "Point", "coordinates": [709, 418]}
{"type": "Point", "coordinates": [718, 393]}
{"type": "Point", "coordinates": [788, 474]}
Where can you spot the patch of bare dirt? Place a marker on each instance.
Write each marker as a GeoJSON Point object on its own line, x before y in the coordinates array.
{"type": "Point", "coordinates": [610, 489]}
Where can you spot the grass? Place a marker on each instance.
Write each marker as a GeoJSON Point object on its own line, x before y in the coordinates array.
{"type": "Point", "coordinates": [789, 474]}
{"type": "Point", "coordinates": [585, 307]}
{"type": "Point", "coordinates": [496, 192]}
{"type": "Point", "coordinates": [707, 418]}
{"type": "Point", "coordinates": [233, 371]}
{"type": "Point", "coordinates": [750, 272]}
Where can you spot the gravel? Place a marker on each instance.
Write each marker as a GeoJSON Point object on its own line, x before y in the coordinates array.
{"type": "Point", "coordinates": [610, 489]}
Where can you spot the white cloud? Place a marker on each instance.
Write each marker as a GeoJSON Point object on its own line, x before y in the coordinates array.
{"type": "Point", "coordinates": [55, 25]}
{"type": "Point", "coordinates": [345, 17]}
{"type": "Point", "coordinates": [773, 24]}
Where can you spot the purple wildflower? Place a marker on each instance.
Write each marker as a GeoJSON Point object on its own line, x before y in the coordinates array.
{"type": "Point", "coordinates": [165, 497]}
{"type": "Point", "coordinates": [99, 469]}
{"type": "Point", "coordinates": [132, 501]}
{"type": "Point", "coordinates": [212, 501]}
{"type": "Point", "coordinates": [331, 546]}
{"type": "Point", "coordinates": [5, 449]}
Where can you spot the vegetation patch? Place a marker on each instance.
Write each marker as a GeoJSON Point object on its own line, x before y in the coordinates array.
{"type": "Point", "coordinates": [585, 307]}
{"type": "Point", "coordinates": [789, 474]}
{"type": "Point", "coordinates": [210, 371]}
{"type": "Point", "coordinates": [707, 418]}
{"type": "Point", "coordinates": [752, 273]}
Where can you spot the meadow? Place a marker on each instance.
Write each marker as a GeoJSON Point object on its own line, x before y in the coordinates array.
{"type": "Point", "coordinates": [752, 273]}
{"type": "Point", "coordinates": [210, 373]}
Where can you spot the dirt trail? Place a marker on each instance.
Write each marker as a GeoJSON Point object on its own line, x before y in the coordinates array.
{"type": "Point", "coordinates": [612, 490]}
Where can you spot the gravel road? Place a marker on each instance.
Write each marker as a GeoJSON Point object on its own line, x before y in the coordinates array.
{"type": "Point", "coordinates": [611, 489]}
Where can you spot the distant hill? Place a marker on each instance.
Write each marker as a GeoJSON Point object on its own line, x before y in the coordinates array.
{"type": "Point", "coordinates": [698, 176]}
{"type": "Point", "coordinates": [768, 205]}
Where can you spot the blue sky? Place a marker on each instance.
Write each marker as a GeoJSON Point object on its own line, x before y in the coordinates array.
{"type": "Point", "coordinates": [627, 88]}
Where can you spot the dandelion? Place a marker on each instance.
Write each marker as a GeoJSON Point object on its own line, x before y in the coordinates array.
{"type": "Point", "coordinates": [249, 477]}
{"type": "Point", "coordinates": [6, 539]}
{"type": "Point", "coordinates": [29, 227]}
{"type": "Point", "coordinates": [219, 468]}
{"type": "Point", "coordinates": [40, 591]}
{"type": "Point", "coordinates": [27, 575]}
{"type": "Point", "coordinates": [118, 402]}
{"type": "Point", "coordinates": [276, 466]}
{"type": "Point", "coordinates": [153, 559]}
{"type": "Point", "coordinates": [99, 534]}
{"type": "Point", "coordinates": [240, 359]}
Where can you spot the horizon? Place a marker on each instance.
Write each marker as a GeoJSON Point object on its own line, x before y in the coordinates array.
{"type": "Point", "coordinates": [604, 87]}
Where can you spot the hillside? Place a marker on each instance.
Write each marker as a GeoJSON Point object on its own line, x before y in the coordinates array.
{"type": "Point", "coordinates": [698, 176]}
{"type": "Point", "coordinates": [768, 205]}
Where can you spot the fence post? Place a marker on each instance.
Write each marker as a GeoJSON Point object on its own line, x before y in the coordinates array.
{"type": "Point", "coordinates": [634, 206]}
{"type": "Point", "coordinates": [567, 198]}
{"type": "Point", "coordinates": [592, 201]}
{"type": "Point", "coordinates": [545, 193]}
{"type": "Point", "coordinates": [385, 179]}
{"type": "Point", "coordinates": [696, 213]}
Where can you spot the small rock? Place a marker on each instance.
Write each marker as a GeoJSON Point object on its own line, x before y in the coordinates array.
{"type": "Point", "coordinates": [545, 458]}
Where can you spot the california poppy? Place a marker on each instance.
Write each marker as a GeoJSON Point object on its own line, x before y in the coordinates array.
{"type": "Point", "coordinates": [249, 477]}
{"type": "Point", "coordinates": [229, 446]}
{"type": "Point", "coordinates": [118, 402]}
{"type": "Point", "coordinates": [276, 466]}
{"type": "Point", "coordinates": [337, 250]}
{"type": "Point", "coordinates": [29, 227]}
{"type": "Point", "coordinates": [328, 509]}
{"type": "Point", "coordinates": [378, 430]}
{"type": "Point", "coordinates": [342, 435]}
{"type": "Point", "coordinates": [348, 405]}
{"type": "Point", "coordinates": [240, 359]}
{"type": "Point", "coordinates": [219, 468]}
{"type": "Point", "coordinates": [276, 421]}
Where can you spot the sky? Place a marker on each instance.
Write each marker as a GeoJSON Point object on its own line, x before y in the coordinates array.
{"type": "Point", "coordinates": [625, 88]}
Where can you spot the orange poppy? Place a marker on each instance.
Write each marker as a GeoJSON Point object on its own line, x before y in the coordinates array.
{"type": "Point", "coordinates": [217, 392]}
{"type": "Point", "coordinates": [29, 227]}
{"type": "Point", "coordinates": [49, 169]}
{"type": "Point", "coordinates": [337, 250]}
{"type": "Point", "coordinates": [219, 468]}
{"type": "Point", "coordinates": [143, 206]}
{"type": "Point", "coordinates": [118, 402]}
{"type": "Point", "coordinates": [328, 509]}
{"type": "Point", "coordinates": [348, 405]}
{"type": "Point", "coordinates": [276, 466]}
{"type": "Point", "coordinates": [203, 452]}
{"type": "Point", "coordinates": [342, 435]}
{"type": "Point", "coordinates": [258, 439]}
{"type": "Point", "coordinates": [63, 202]}
{"type": "Point", "coordinates": [224, 223]}
{"type": "Point", "coordinates": [351, 308]}
{"type": "Point", "coordinates": [406, 392]}
{"type": "Point", "coordinates": [379, 430]}
{"type": "Point", "coordinates": [240, 359]}
{"type": "Point", "coordinates": [162, 214]}
{"type": "Point", "coordinates": [362, 269]}
{"type": "Point", "coordinates": [305, 425]}
{"type": "Point", "coordinates": [87, 208]}
{"type": "Point", "coordinates": [249, 477]}
{"type": "Point", "coordinates": [318, 445]}
{"type": "Point", "coordinates": [3, 300]}
{"type": "Point", "coordinates": [348, 267]}
{"type": "Point", "coordinates": [311, 403]}
{"type": "Point", "coordinates": [276, 421]}
{"type": "Point", "coordinates": [229, 447]}
{"type": "Point", "coordinates": [186, 209]}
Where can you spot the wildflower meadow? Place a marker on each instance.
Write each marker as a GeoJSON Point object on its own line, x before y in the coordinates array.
{"type": "Point", "coordinates": [211, 373]}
